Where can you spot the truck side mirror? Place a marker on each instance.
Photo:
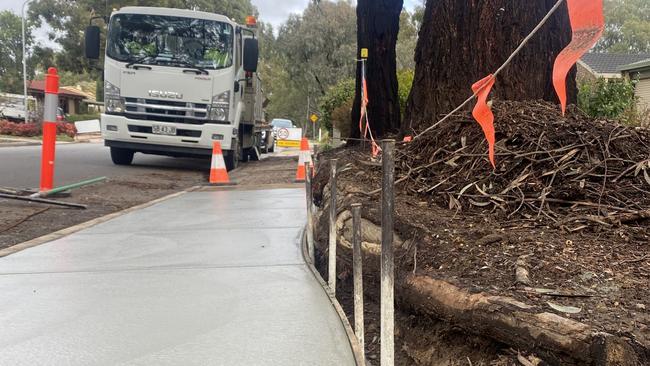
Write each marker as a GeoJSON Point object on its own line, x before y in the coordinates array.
{"type": "Point", "coordinates": [92, 42]}
{"type": "Point", "coordinates": [251, 54]}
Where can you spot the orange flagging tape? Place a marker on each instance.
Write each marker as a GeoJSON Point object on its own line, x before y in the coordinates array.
{"type": "Point", "coordinates": [364, 114]}
{"type": "Point", "coordinates": [587, 23]}
{"type": "Point", "coordinates": [482, 112]}
{"type": "Point", "coordinates": [364, 105]}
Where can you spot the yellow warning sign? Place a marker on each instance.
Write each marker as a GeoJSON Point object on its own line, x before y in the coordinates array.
{"type": "Point", "coordinates": [314, 118]}
{"type": "Point", "coordinates": [288, 143]}
{"type": "Point", "coordinates": [364, 53]}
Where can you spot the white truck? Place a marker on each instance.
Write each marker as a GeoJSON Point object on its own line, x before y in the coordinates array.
{"type": "Point", "coordinates": [176, 80]}
{"type": "Point", "coordinates": [12, 107]}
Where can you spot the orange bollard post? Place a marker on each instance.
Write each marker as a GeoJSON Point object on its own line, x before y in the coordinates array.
{"type": "Point", "coordinates": [49, 129]}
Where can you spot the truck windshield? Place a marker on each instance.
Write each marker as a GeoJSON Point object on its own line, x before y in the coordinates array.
{"type": "Point", "coordinates": [281, 123]}
{"type": "Point", "coordinates": [170, 41]}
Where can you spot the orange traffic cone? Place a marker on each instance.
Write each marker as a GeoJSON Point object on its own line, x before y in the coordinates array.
{"type": "Point", "coordinates": [218, 172]}
{"type": "Point", "coordinates": [304, 158]}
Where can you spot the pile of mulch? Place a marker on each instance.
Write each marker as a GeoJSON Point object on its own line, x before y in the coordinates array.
{"type": "Point", "coordinates": [568, 201]}
{"type": "Point", "coordinates": [571, 170]}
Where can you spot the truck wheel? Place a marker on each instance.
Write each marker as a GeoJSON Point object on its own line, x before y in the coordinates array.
{"type": "Point", "coordinates": [243, 155]}
{"type": "Point", "coordinates": [232, 159]}
{"type": "Point", "coordinates": [121, 156]}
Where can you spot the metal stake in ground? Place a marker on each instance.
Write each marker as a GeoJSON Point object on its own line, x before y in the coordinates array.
{"type": "Point", "coordinates": [310, 220]}
{"type": "Point", "coordinates": [387, 259]}
{"type": "Point", "coordinates": [357, 273]}
{"type": "Point", "coordinates": [332, 234]}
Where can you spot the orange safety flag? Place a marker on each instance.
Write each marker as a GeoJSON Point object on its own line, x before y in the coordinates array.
{"type": "Point", "coordinates": [587, 24]}
{"type": "Point", "coordinates": [482, 112]}
{"type": "Point", "coordinates": [364, 113]}
{"type": "Point", "coordinates": [364, 102]}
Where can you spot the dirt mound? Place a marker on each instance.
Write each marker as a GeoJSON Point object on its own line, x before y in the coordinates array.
{"type": "Point", "coordinates": [567, 205]}
{"type": "Point", "coordinates": [572, 170]}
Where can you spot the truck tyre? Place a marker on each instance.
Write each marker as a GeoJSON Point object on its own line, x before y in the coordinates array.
{"type": "Point", "coordinates": [121, 156]}
{"type": "Point", "coordinates": [232, 159]}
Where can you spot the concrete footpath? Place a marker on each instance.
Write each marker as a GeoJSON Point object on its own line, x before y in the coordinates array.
{"type": "Point", "coordinates": [206, 278]}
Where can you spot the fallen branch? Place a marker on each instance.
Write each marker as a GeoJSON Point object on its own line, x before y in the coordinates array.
{"type": "Point", "coordinates": [506, 320]}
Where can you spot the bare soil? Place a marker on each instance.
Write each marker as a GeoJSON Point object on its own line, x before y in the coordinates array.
{"type": "Point", "coordinates": [23, 221]}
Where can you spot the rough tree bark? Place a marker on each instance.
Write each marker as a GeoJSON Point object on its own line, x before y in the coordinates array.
{"type": "Point", "coordinates": [463, 41]}
{"type": "Point", "coordinates": [377, 29]}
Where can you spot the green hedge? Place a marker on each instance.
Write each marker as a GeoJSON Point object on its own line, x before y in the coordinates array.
{"type": "Point", "coordinates": [606, 98]}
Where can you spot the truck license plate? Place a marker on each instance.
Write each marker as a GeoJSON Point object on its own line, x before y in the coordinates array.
{"type": "Point", "coordinates": [163, 130]}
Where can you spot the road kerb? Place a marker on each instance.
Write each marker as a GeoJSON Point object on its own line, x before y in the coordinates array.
{"type": "Point", "coordinates": [357, 351]}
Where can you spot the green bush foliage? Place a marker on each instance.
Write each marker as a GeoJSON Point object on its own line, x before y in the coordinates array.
{"type": "Point", "coordinates": [336, 96]}
{"type": "Point", "coordinates": [340, 97]}
{"type": "Point", "coordinates": [341, 117]}
{"type": "Point", "coordinates": [405, 82]}
{"type": "Point", "coordinates": [607, 98]}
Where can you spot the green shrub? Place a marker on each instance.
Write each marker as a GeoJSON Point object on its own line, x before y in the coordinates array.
{"type": "Point", "coordinates": [405, 82]}
{"type": "Point", "coordinates": [341, 117]}
{"type": "Point", "coordinates": [335, 97]}
{"type": "Point", "coordinates": [340, 97]}
{"type": "Point", "coordinates": [607, 98]}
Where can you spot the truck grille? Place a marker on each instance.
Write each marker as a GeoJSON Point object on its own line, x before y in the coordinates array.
{"type": "Point", "coordinates": [166, 111]}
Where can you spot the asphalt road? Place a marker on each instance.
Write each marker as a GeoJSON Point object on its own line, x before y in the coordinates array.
{"type": "Point", "coordinates": [20, 166]}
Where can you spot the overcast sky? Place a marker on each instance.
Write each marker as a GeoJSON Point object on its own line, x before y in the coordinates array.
{"type": "Point", "coordinates": [276, 12]}
{"type": "Point", "coordinates": [273, 11]}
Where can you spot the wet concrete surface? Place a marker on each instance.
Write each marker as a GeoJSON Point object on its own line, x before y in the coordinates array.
{"type": "Point", "coordinates": [205, 278]}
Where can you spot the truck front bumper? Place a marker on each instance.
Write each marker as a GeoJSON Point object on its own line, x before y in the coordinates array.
{"type": "Point", "coordinates": [119, 130]}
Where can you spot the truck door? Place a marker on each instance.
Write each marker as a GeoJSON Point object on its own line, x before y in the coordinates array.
{"type": "Point", "coordinates": [239, 72]}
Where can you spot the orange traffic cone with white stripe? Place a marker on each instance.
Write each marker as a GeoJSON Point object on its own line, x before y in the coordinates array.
{"type": "Point", "coordinates": [218, 172]}
{"type": "Point", "coordinates": [304, 158]}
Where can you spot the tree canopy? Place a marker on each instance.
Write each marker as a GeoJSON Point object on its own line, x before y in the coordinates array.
{"type": "Point", "coordinates": [11, 54]}
{"type": "Point", "coordinates": [310, 54]}
{"type": "Point", "coordinates": [628, 27]}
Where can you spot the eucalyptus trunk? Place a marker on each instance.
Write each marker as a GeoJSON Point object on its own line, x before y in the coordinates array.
{"type": "Point", "coordinates": [377, 29]}
{"type": "Point", "coordinates": [461, 42]}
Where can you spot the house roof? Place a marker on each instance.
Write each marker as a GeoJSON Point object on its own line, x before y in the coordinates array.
{"type": "Point", "coordinates": [636, 65]}
{"type": "Point", "coordinates": [610, 63]}
{"type": "Point", "coordinates": [39, 86]}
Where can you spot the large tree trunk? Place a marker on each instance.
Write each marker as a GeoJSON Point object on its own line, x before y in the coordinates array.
{"type": "Point", "coordinates": [377, 29]}
{"type": "Point", "coordinates": [463, 41]}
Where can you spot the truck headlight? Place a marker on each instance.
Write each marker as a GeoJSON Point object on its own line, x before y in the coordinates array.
{"type": "Point", "coordinates": [113, 102]}
{"type": "Point", "coordinates": [220, 107]}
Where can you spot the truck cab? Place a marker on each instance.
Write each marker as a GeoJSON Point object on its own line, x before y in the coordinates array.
{"type": "Point", "coordinates": [177, 80]}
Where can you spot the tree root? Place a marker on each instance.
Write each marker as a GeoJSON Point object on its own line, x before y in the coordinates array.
{"type": "Point", "coordinates": [504, 319]}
